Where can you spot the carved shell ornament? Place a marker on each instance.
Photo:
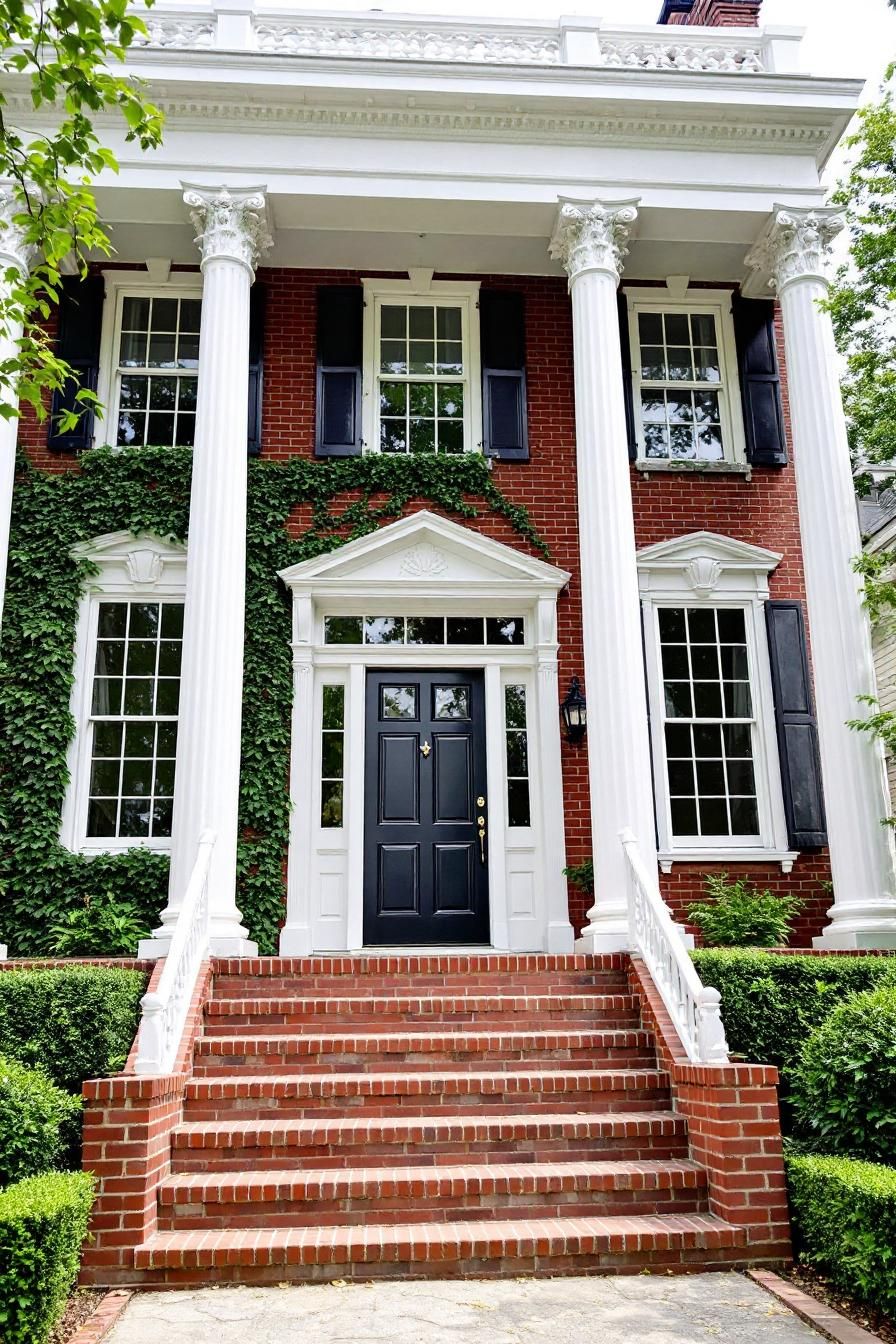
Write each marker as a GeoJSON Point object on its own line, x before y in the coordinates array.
{"type": "Point", "coordinates": [423, 562]}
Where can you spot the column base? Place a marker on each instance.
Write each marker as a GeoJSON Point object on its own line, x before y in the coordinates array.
{"type": "Point", "coordinates": [153, 949]}
{"type": "Point", "coordinates": [295, 942]}
{"type": "Point", "coordinates": [560, 939]}
{"type": "Point", "coordinates": [860, 927]}
{"type": "Point", "coordinates": [232, 947]}
{"type": "Point", "coordinates": [2, 951]}
{"type": "Point", "coordinates": [608, 933]}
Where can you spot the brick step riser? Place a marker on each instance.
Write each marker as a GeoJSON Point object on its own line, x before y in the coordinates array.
{"type": "Point", "coordinates": [366, 1212]}
{"type": "Point", "coordinates": [496, 1061]}
{"type": "Point", "coordinates": [239, 1024]}
{"type": "Point", "coordinates": [409, 1106]}
{"type": "Point", "coordinates": [454, 985]}
{"type": "Point", "coordinates": [337, 1157]}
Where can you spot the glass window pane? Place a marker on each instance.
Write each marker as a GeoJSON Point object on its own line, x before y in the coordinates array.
{"type": "Point", "coordinates": [681, 778]}
{"type": "Point", "coordinates": [451, 436]}
{"type": "Point", "coordinates": [425, 630]}
{"type": "Point", "coordinates": [656, 441]}
{"type": "Point", "coordinates": [517, 753]}
{"type": "Point", "coordinates": [449, 357]}
{"type": "Point", "coordinates": [136, 778]}
{"type": "Point", "coordinates": [143, 620]}
{"type": "Point", "coordinates": [678, 331]}
{"type": "Point", "coordinates": [684, 816]}
{"type": "Point", "coordinates": [168, 696]}
{"type": "Point", "coordinates": [505, 630]}
{"type": "Point", "coordinates": [734, 662]}
{"type": "Point", "coordinates": [701, 625]}
{"type": "Point", "coordinates": [107, 739]}
{"type": "Point", "coordinates": [169, 657]}
{"type": "Point", "coordinates": [162, 814]}
{"type": "Point", "coordinates": [133, 393]}
{"type": "Point", "coordinates": [109, 658]}
{"type": "Point", "coordinates": [342, 630]}
{"type": "Point", "coordinates": [421, 357]}
{"type": "Point", "coordinates": [678, 740]}
{"type": "Point", "coordinates": [709, 445]}
{"type": "Point", "coordinates": [102, 816]}
{"type": "Point", "coordinates": [711, 778]}
{"type": "Point", "coordinates": [190, 313]}
{"type": "Point", "coordinates": [188, 351]}
{"type": "Point", "coordinates": [704, 662]}
{"type": "Point", "coordinates": [422, 399]}
{"type": "Point", "coordinates": [162, 351]}
{"type": "Point", "coordinates": [714, 817]}
{"type": "Point", "coordinates": [172, 616]}
{"type": "Point", "coordinates": [164, 314]}
{"type": "Point", "coordinates": [707, 700]}
{"type": "Point", "coordinates": [107, 695]}
{"type": "Point", "coordinates": [112, 620]}
{"type": "Point", "coordinates": [675, 662]}
{"type": "Point", "coordinates": [653, 407]}
{"type": "Point", "coordinates": [135, 314]}
{"type": "Point", "coordinates": [384, 630]}
{"type": "Point", "coordinates": [703, 329]}
{"type": "Point", "coordinates": [650, 328]}
{"type": "Point", "coordinates": [680, 365]}
{"type": "Point", "coordinates": [394, 321]}
{"type": "Point", "coordinates": [186, 400]}
{"type": "Point", "coordinates": [132, 350]}
{"type": "Point", "coordinates": [393, 357]}
{"type": "Point", "coordinates": [449, 324]}
{"type": "Point", "coordinates": [738, 740]}
{"type": "Point", "coordinates": [518, 811]}
{"type": "Point", "coordinates": [423, 436]}
{"type": "Point", "coordinates": [464, 629]}
{"type": "Point", "coordinates": [166, 739]}
{"type": "Point", "coordinates": [398, 702]}
{"type": "Point", "coordinates": [139, 739]}
{"type": "Point", "coordinates": [393, 398]}
{"type": "Point", "coordinates": [731, 626]}
{"type": "Point", "coordinates": [678, 700]}
{"type": "Point", "coordinates": [653, 362]}
{"type": "Point", "coordinates": [741, 777]}
{"type": "Point", "coordinates": [141, 658]}
{"type": "Point", "coordinates": [451, 702]}
{"type": "Point", "coordinates": [421, 323]}
{"type": "Point", "coordinates": [681, 442]}
{"type": "Point", "coordinates": [104, 778]}
{"type": "Point", "coordinates": [134, 817]}
{"type": "Point", "coordinates": [138, 696]}
{"type": "Point", "coordinates": [393, 436]}
{"type": "Point", "coordinates": [515, 706]}
{"type": "Point", "coordinates": [706, 407]}
{"type": "Point", "coordinates": [744, 816]}
{"type": "Point", "coordinates": [707, 739]}
{"type": "Point", "coordinates": [331, 804]}
{"type": "Point", "coordinates": [738, 700]}
{"type": "Point", "coordinates": [680, 408]}
{"type": "Point", "coordinates": [707, 367]}
{"type": "Point", "coordinates": [451, 400]}
{"type": "Point", "coordinates": [162, 394]}
{"type": "Point", "coordinates": [334, 707]}
{"type": "Point", "coordinates": [672, 626]}
{"type": "Point", "coordinates": [332, 751]}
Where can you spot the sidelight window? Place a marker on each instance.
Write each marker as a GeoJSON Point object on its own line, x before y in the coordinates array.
{"type": "Point", "coordinates": [517, 745]}
{"type": "Point", "coordinates": [332, 757]}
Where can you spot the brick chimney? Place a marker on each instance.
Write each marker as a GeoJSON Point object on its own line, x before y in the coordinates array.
{"type": "Point", "coordinates": [712, 13]}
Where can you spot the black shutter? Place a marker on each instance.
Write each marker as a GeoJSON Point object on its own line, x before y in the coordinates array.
{"type": "Point", "coordinates": [340, 325]}
{"type": "Point", "coordinates": [627, 387]}
{"type": "Point", "coordinates": [80, 328]}
{"type": "Point", "coordinates": [760, 381]}
{"type": "Point", "coordinates": [797, 730]}
{"type": "Point", "coordinates": [502, 334]}
{"type": "Point", "coordinates": [257, 299]}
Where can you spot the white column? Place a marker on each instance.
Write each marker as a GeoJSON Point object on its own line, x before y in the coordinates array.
{"type": "Point", "coordinates": [231, 232]}
{"type": "Point", "coordinates": [590, 239]}
{"type": "Point", "coordinates": [795, 253]}
{"type": "Point", "coordinates": [15, 254]}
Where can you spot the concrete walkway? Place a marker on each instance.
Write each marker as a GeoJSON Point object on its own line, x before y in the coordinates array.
{"type": "Point", "coordinates": [638, 1310]}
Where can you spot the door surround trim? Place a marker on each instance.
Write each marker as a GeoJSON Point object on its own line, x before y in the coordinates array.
{"type": "Point", "coordinates": [424, 564]}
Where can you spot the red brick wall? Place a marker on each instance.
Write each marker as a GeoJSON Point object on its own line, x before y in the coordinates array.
{"type": "Point", "coordinates": [762, 511]}
{"type": "Point", "coordinates": [721, 14]}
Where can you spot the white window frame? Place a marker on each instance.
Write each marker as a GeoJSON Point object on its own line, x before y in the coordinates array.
{"type": "Point", "coordinates": [716, 303]}
{"type": "Point", "coordinates": [121, 285]}
{"type": "Point", "coordinates": [708, 570]}
{"type": "Point", "coordinates": [131, 569]}
{"type": "Point", "coordinates": [463, 294]}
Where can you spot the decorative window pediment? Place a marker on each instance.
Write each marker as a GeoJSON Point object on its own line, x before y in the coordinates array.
{"type": "Point", "coordinates": [705, 564]}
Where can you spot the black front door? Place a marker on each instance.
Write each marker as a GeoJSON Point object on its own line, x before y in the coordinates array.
{"type": "Point", "coordinates": [425, 871]}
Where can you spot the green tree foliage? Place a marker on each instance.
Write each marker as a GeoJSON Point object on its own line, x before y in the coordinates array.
{"type": "Point", "coordinates": [862, 298]}
{"type": "Point", "coordinates": [57, 74]}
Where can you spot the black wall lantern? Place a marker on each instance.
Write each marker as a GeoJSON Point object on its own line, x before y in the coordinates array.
{"type": "Point", "coordinates": [574, 711]}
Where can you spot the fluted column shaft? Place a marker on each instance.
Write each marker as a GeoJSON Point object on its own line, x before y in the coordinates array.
{"type": "Point", "coordinates": [856, 796]}
{"type": "Point", "coordinates": [206, 786]}
{"type": "Point", "coordinates": [590, 239]}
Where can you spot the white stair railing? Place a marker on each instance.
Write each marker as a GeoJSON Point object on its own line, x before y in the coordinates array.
{"type": "Point", "coordinates": [694, 1008]}
{"type": "Point", "coordinates": [164, 1011]}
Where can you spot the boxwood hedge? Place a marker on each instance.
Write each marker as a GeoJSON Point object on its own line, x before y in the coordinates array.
{"type": "Point", "coordinates": [844, 1220]}
{"type": "Point", "coordinates": [77, 1022]}
{"type": "Point", "coordinates": [43, 1223]}
{"type": "Point", "coordinates": [38, 1122]}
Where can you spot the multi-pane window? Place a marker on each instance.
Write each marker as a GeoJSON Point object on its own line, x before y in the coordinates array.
{"type": "Point", "coordinates": [133, 719]}
{"type": "Point", "coordinates": [418, 630]}
{"type": "Point", "coordinates": [157, 364]}
{"type": "Point", "coordinates": [680, 373]}
{"type": "Point", "coordinates": [421, 379]}
{"type": "Point", "coordinates": [709, 722]}
{"type": "Point", "coordinates": [517, 743]}
{"type": "Point", "coordinates": [332, 756]}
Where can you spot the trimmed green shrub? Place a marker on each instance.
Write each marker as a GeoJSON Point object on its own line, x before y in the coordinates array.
{"type": "Point", "coordinates": [38, 1122]}
{"type": "Point", "coordinates": [738, 914]}
{"type": "Point", "coordinates": [43, 1223]}
{"type": "Point", "coordinates": [770, 1003]}
{"type": "Point", "coordinates": [77, 1022]}
{"type": "Point", "coordinates": [844, 1086]}
{"type": "Point", "coordinates": [844, 1221]}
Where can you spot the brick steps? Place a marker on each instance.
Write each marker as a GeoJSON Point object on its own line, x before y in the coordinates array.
{"type": "Point", "coordinates": [423, 1194]}
{"type": "Point", "coordinates": [490, 1249]}
{"type": "Point", "coordinates": [373, 1094]}
{"type": "Point", "coordinates": [422, 1049]}
{"type": "Point", "coordinates": [426, 1140]}
{"type": "Point", "coordinates": [335, 1011]}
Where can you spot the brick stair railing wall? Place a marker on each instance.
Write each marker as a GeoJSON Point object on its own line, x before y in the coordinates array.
{"type": "Point", "coordinates": [720, 14]}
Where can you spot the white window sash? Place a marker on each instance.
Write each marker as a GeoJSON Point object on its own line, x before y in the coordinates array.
{"type": "Point", "coordinates": [718, 306]}
{"type": "Point", "coordinates": [441, 294]}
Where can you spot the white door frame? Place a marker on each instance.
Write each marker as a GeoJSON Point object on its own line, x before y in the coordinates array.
{"type": "Point", "coordinates": [425, 565]}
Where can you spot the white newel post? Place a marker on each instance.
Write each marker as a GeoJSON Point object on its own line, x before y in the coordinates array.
{"type": "Point", "coordinates": [590, 239]}
{"type": "Point", "coordinates": [15, 254]}
{"type": "Point", "coordinates": [795, 254]}
{"type": "Point", "coordinates": [231, 232]}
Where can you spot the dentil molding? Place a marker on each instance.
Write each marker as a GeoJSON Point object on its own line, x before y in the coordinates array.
{"type": "Point", "coordinates": [229, 224]}
{"type": "Point", "coordinates": [797, 245]}
{"type": "Point", "coordinates": [593, 236]}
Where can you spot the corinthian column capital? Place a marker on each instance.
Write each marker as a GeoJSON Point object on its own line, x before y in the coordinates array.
{"type": "Point", "coordinates": [593, 236]}
{"type": "Point", "coordinates": [797, 245]}
{"type": "Point", "coordinates": [14, 251]}
{"type": "Point", "coordinates": [229, 224]}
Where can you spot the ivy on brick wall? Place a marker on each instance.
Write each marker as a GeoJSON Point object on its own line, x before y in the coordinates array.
{"type": "Point", "coordinates": [148, 490]}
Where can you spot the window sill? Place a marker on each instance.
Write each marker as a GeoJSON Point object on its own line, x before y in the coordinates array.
{"type": "Point", "coordinates": [786, 857]}
{"type": "Point", "coordinates": [660, 467]}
